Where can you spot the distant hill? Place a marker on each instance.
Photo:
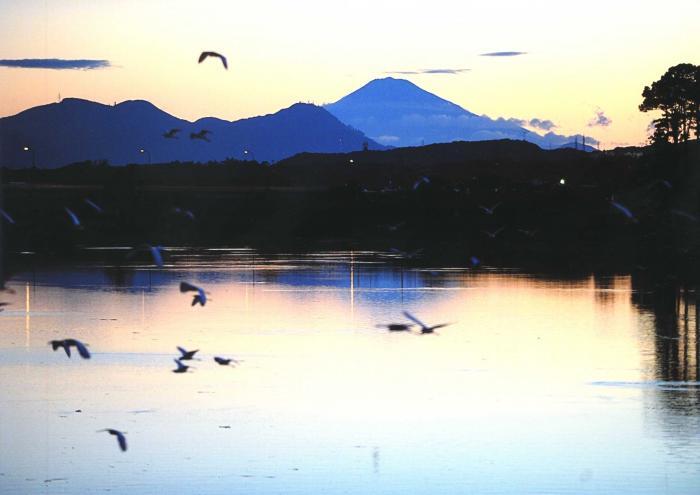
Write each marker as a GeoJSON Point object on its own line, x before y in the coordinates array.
{"type": "Point", "coordinates": [577, 146]}
{"type": "Point", "coordinates": [396, 112]}
{"type": "Point", "coordinates": [77, 130]}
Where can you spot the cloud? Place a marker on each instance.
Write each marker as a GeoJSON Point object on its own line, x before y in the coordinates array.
{"type": "Point", "coordinates": [428, 71]}
{"type": "Point", "coordinates": [503, 54]}
{"type": "Point", "coordinates": [600, 120]}
{"type": "Point", "coordinates": [535, 123]}
{"type": "Point", "coordinates": [55, 63]}
{"type": "Point", "coordinates": [545, 125]}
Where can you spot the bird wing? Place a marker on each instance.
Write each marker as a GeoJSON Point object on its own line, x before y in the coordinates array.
{"type": "Point", "coordinates": [623, 209]}
{"type": "Point", "coordinates": [186, 287]}
{"type": "Point", "coordinates": [223, 60]}
{"type": "Point", "coordinates": [157, 257]}
{"type": "Point", "coordinates": [82, 349]}
{"type": "Point", "coordinates": [121, 439]}
{"type": "Point", "coordinates": [94, 205]}
{"type": "Point", "coordinates": [182, 351]}
{"type": "Point", "coordinates": [180, 366]}
{"type": "Point", "coordinates": [7, 216]}
{"type": "Point", "coordinates": [73, 217]}
{"type": "Point", "coordinates": [203, 56]}
{"type": "Point", "coordinates": [202, 296]}
{"type": "Point", "coordinates": [414, 319]}
{"type": "Point", "coordinates": [435, 327]}
{"type": "Point", "coordinates": [66, 348]}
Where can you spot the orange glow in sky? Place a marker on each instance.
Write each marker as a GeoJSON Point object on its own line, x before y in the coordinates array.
{"type": "Point", "coordinates": [580, 58]}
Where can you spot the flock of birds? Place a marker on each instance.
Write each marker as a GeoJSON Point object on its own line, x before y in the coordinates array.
{"type": "Point", "coordinates": [185, 355]}
{"type": "Point", "coordinates": [203, 134]}
{"type": "Point", "coordinates": [188, 355]}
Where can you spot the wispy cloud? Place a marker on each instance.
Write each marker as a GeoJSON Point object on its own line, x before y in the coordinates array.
{"type": "Point", "coordinates": [503, 54]}
{"type": "Point", "coordinates": [428, 71]}
{"type": "Point", "coordinates": [600, 120]}
{"type": "Point", "coordinates": [55, 63]}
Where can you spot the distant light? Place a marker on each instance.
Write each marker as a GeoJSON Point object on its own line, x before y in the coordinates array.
{"type": "Point", "coordinates": [352, 161]}
{"type": "Point", "coordinates": [142, 151]}
{"type": "Point", "coordinates": [26, 148]}
{"type": "Point", "coordinates": [562, 182]}
{"type": "Point", "coordinates": [245, 152]}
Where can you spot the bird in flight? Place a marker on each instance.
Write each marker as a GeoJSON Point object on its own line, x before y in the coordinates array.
{"type": "Point", "coordinates": [203, 56]}
{"type": "Point", "coordinates": [181, 368]}
{"type": "Point", "coordinates": [186, 354]}
{"type": "Point", "coordinates": [73, 218]}
{"type": "Point", "coordinates": [121, 439]}
{"type": "Point", "coordinates": [225, 361]}
{"type": "Point", "coordinates": [199, 298]}
{"type": "Point", "coordinates": [494, 234]}
{"type": "Point", "coordinates": [423, 327]}
{"type": "Point", "coordinates": [489, 210]}
{"type": "Point", "coordinates": [684, 214]}
{"type": "Point", "coordinates": [155, 251]}
{"type": "Point", "coordinates": [624, 210]}
{"type": "Point", "coordinates": [200, 135]}
{"type": "Point", "coordinates": [396, 327]}
{"type": "Point", "coordinates": [93, 205]}
{"type": "Point", "coordinates": [184, 212]}
{"type": "Point", "coordinates": [67, 344]}
{"type": "Point", "coordinates": [7, 216]}
{"type": "Point", "coordinates": [171, 134]}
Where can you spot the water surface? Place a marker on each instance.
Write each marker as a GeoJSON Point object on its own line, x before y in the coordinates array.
{"type": "Point", "coordinates": [540, 385]}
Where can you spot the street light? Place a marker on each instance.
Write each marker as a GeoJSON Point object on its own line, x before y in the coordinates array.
{"type": "Point", "coordinates": [248, 152]}
{"type": "Point", "coordinates": [30, 148]}
{"type": "Point", "coordinates": [143, 150]}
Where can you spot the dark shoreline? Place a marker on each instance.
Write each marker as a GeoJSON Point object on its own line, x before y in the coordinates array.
{"type": "Point", "coordinates": [554, 208]}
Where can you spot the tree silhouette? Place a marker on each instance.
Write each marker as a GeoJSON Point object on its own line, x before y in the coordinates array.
{"type": "Point", "coordinates": [677, 95]}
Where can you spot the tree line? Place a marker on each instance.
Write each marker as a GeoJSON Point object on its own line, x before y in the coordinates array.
{"type": "Point", "coordinates": [677, 95]}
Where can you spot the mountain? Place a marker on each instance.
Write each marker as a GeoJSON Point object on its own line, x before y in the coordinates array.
{"type": "Point", "coordinates": [77, 130]}
{"type": "Point", "coordinates": [576, 145]}
{"type": "Point", "coordinates": [396, 112]}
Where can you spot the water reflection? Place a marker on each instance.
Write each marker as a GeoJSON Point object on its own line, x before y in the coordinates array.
{"type": "Point", "coordinates": [577, 385]}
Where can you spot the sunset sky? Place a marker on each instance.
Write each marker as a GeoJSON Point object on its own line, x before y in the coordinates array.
{"type": "Point", "coordinates": [583, 65]}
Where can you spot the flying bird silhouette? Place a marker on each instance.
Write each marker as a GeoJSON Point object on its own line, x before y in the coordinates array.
{"type": "Point", "coordinates": [225, 361]}
{"type": "Point", "coordinates": [121, 439]}
{"type": "Point", "coordinates": [67, 344]}
{"type": "Point", "coordinates": [420, 182]}
{"type": "Point", "coordinates": [181, 368]}
{"type": "Point", "coordinates": [93, 205]}
{"type": "Point", "coordinates": [73, 217]}
{"type": "Point", "coordinates": [491, 210]}
{"type": "Point", "coordinates": [186, 354]}
{"type": "Point", "coordinates": [494, 234]}
{"type": "Point", "coordinates": [187, 213]}
{"type": "Point", "coordinates": [201, 135]}
{"type": "Point", "coordinates": [423, 327]}
{"type": "Point", "coordinates": [171, 134]}
{"type": "Point", "coordinates": [199, 298]}
{"type": "Point", "coordinates": [396, 327]}
{"type": "Point", "coordinates": [624, 210]}
{"type": "Point", "coordinates": [156, 253]}
{"type": "Point", "coordinates": [684, 214]}
{"type": "Point", "coordinates": [7, 216]}
{"type": "Point", "coordinates": [203, 56]}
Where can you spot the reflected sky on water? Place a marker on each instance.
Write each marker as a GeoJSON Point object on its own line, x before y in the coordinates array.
{"type": "Point", "coordinates": [540, 385]}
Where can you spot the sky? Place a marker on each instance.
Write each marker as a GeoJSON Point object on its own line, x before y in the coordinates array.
{"type": "Point", "coordinates": [581, 65]}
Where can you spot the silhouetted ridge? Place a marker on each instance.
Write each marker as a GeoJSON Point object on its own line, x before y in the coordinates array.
{"type": "Point", "coordinates": [77, 130]}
